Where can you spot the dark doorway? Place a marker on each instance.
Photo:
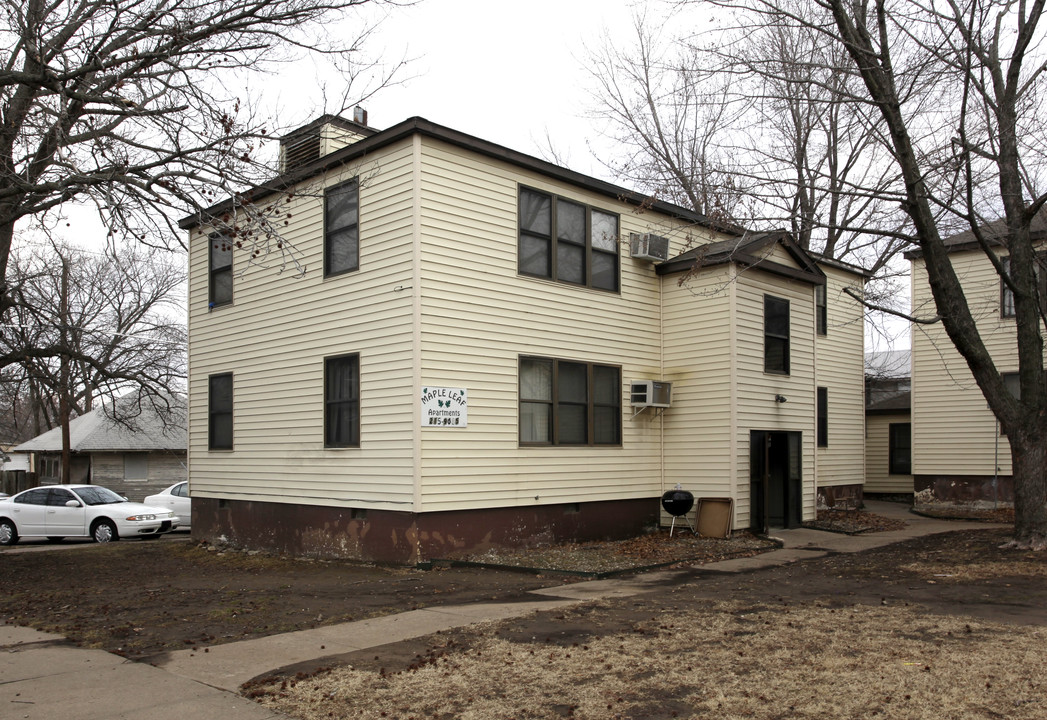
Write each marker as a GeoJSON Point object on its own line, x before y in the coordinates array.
{"type": "Point", "coordinates": [775, 480]}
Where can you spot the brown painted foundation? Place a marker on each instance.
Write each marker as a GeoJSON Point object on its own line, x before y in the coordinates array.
{"type": "Point", "coordinates": [963, 489]}
{"type": "Point", "coordinates": [848, 497]}
{"type": "Point", "coordinates": [410, 538]}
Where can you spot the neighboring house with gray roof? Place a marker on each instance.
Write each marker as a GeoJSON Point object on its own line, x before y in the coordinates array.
{"type": "Point", "coordinates": [888, 422]}
{"type": "Point", "coordinates": [135, 451]}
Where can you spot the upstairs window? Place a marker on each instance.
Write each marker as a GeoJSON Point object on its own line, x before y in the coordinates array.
{"type": "Point", "coordinates": [1006, 295]}
{"type": "Point", "coordinates": [567, 242]}
{"type": "Point", "coordinates": [823, 417]}
{"type": "Point", "coordinates": [342, 228]}
{"type": "Point", "coordinates": [775, 335]}
{"type": "Point", "coordinates": [821, 315]}
{"type": "Point", "coordinates": [220, 412]}
{"type": "Point", "coordinates": [342, 401]}
{"type": "Point", "coordinates": [220, 271]}
{"type": "Point", "coordinates": [569, 403]}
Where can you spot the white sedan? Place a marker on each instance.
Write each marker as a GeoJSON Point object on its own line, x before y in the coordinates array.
{"type": "Point", "coordinates": [61, 511]}
{"type": "Point", "coordinates": [176, 499]}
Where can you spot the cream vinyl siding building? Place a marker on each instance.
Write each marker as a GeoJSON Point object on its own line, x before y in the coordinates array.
{"type": "Point", "coordinates": [880, 477]}
{"type": "Point", "coordinates": [449, 295]}
{"type": "Point", "coordinates": [840, 461]}
{"type": "Point", "coordinates": [958, 452]}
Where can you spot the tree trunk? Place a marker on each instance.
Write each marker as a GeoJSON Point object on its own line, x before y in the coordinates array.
{"type": "Point", "coordinates": [1029, 467]}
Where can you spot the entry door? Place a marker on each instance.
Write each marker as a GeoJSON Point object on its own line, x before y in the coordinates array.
{"type": "Point", "coordinates": [775, 480]}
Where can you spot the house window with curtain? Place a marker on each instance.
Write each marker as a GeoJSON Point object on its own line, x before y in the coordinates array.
{"type": "Point", "coordinates": [136, 466]}
{"type": "Point", "coordinates": [775, 335]}
{"type": "Point", "coordinates": [342, 401]}
{"type": "Point", "coordinates": [220, 271]}
{"type": "Point", "coordinates": [342, 228]}
{"type": "Point", "coordinates": [569, 403]}
{"type": "Point", "coordinates": [567, 241]}
{"type": "Point", "coordinates": [220, 412]}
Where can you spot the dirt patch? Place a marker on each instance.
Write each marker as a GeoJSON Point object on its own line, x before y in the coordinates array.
{"type": "Point", "coordinates": [900, 631]}
{"type": "Point", "coordinates": [139, 599]}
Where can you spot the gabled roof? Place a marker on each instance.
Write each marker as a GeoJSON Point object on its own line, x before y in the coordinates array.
{"type": "Point", "coordinates": [421, 126]}
{"type": "Point", "coordinates": [143, 429]}
{"type": "Point", "coordinates": [750, 250]}
{"type": "Point", "coordinates": [993, 233]}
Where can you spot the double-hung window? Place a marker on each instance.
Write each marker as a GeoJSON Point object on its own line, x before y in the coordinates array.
{"type": "Point", "coordinates": [220, 412]}
{"type": "Point", "coordinates": [1007, 295]}
{"type": "Point", "coordinates": [569, 403]}
{"type": "Point", "coordinates": [775, 335]}
{"type": "Point", "coordinates": [220, 270]}
{"type": "Point", "coordinates": [821, 315]}
{"type": "Point", "coordinates": [342, 228]}
{"type": "Point", "coordinates": [342, 401]}
{"type": "Point", "coordinates": [567, 242]}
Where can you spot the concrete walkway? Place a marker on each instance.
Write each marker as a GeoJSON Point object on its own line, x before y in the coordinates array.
{"type": "Point", "coordinates": [42, 677]}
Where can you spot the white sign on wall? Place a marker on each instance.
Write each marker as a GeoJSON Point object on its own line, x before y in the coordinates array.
{"type": "Point", "coordinates": [444, 407]}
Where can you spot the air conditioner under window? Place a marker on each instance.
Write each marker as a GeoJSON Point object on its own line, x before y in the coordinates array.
{"type": "Point", "coordinates": [648, 247]}
{"type": "Point", "coordinates": [650, 393]}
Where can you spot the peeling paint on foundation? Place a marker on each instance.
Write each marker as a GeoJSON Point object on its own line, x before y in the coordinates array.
{"type": "Point", "coordinates": [411, 538]}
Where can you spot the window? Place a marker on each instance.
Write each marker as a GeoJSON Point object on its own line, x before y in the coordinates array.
{"type": "Point", "coordinates": [220, 412]}
{"type": "Point", "coordinates": [342, 228]}
{"type": "Point", "coordinates": [775, 335]}
{"type": "Point", "coordinates": [900, 442]}
{"type": "Point", "coordinates": [1007, 295]}
{"type": "Point", "coordinates": [342, 401]}
{"type": "Point", "coordinates": [821, 317]}
{"type": "Point", "coordinates": [136, 466]}
{"type": "Point", "coordinates": [220, 268]}
{"type": "Point", "coordinates": [569, 403]}
{"type": "Point", "coordinates": [823, 417]}
{"type": "Point", "coordinates": [567, 242]}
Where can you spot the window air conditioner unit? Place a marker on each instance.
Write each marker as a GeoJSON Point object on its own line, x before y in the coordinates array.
{"type": "Point", "coordinates": [650, 393]}
{"type": "Point", "coordinates": [648, 246]}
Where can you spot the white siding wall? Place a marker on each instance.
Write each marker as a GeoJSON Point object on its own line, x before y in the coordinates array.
{"type": "Point", "coordinates": [878, 478]}
{"type": "Point", "coordinates": [479, 316]}
{"type": "Point", "coordinates": [698, 329]}
{"type": "Point", "coordinates": [755, 406]}
{"type": "Point", "coordinates": [840, 370]}
{"type": "Point", "coordinates": [954, 433]}
{"type": "Point", "coordinates": [274, 337]}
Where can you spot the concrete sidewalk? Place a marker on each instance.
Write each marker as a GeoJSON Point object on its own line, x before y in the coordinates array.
{"type": "Point", "coordinates": [43, 677]}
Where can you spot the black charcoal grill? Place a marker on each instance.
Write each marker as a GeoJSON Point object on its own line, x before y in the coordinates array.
{"type": "Point", "coordinates": [678, 503]}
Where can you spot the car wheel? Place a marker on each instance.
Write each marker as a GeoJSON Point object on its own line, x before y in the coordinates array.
{"type": "Point", "coordinates": [8, 533]}
{"type": "Point", "coordinates": [104, 531]}
{"type": "Point", "coordinates": [55, 538]}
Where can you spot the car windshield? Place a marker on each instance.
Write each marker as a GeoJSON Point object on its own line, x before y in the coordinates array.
{"type": "Point", "coordinates": [95, 495]}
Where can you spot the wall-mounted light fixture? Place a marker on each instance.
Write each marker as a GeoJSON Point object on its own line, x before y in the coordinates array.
{"type": "Point", "coordinates": [780, 398]}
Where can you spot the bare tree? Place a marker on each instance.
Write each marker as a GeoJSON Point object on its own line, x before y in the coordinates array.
{"type": "Point", "coordinates": [958, 87]}
{"type": "Point", "coordinates": [760, 115]}
{"type": "Point", "coordinates": [130, 106]}
{"type": "Point", "coordinates": [92, 327]}
{"type": "Point", "coordinates": [670, 119]}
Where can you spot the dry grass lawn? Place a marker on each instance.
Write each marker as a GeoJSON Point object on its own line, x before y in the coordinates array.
{"type": "Point", "coordinates": [723, 660]}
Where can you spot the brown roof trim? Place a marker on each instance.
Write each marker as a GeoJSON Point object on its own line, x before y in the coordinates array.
{"type": "Point", "coordinates": [738, 251]}
{"type": "Point", "coordinates": [421, 126]}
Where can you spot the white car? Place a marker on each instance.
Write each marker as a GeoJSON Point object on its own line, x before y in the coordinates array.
{"type": "Point", "coordinates": [61, 511]}
{"type": "Point", "coordinates": [176, 499]}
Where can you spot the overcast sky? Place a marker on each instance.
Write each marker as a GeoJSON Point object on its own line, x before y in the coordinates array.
{"type": "Point", "coordinates": [510, 73]}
